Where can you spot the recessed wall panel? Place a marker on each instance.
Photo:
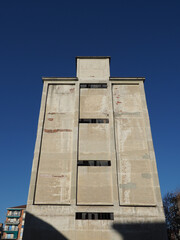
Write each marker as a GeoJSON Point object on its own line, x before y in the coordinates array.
{"type": "Point", "coordinates": [133, 163]}
{"type": "Point", "coordinates": [94, 141]}
{"type": "Point", "coordinates": [93, 103]}
{"type": "Point", "coordinates": [54, 174]}
{"type": "Point", "coordinates": [94, 186]}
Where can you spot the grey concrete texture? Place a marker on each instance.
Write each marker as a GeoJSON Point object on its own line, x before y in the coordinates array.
{"type": "Point", "coordinates": [128, 188]}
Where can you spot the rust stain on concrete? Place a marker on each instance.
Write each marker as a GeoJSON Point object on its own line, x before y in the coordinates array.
{"type": "Point", "coordinates": [61, 176]}
{"type": "Point", "coordinates": [118, 102]}
{"type": "Point", "coordinates": [72, 89]}
{"type": "Point", "coordinates": [57, 130]}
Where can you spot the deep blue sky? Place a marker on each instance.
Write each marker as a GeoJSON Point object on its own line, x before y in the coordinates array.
{"type": "Point", "coordinates": [42, 38]}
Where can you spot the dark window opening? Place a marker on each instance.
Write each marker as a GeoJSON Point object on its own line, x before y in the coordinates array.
{"type": "Point", "coordinates": [94, 163]}
{"type": "Point", "coordinates": [85, 120]}
{"type": "Point", "coordinates": [94, 216]}
{"type": "Point", "coordinates": [90, 85]}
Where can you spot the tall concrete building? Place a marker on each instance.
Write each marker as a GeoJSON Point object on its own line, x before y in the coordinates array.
{"type": "Point", "coordinates": [94, 174]}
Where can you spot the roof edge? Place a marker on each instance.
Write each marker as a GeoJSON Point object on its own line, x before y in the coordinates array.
{"type": "Point", "coordinates": [59, 79]}
{"type": "Point", "coordinates": [127, 79]}
{"type": "Point", "coordinates": [93, 57]}
{"type": "Point", "coordinates": [18, 207]}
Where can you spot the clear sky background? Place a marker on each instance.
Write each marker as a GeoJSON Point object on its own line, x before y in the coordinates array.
{"type": "Point", "coordinates": [41, 38]}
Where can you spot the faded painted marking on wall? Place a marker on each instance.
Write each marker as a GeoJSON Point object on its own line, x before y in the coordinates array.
{"type": "Point", "coordinates": [52, 113]}
{"type": "Point", "coordinates": [50, 175]}
{"type": "Point", "coordinates": [145, 156]}
{"type": "Point", "coordinates": [127, 113]}
{"type": "Point", "coordinates": [146, 175]}
{"type": "Point", "coordinates": [57, 130]}
{"type": "Point", "coordinates": [128, 186]}
{"type": "Point", "coordinates": [50, 119]}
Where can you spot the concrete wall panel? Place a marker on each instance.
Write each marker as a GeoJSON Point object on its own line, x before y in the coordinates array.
{"type": "Point", "coordinates": [133, 163]}
{"type": "Point", "coordinates": [94, 186]}
{"type": "Point", "coordinates": [93, 103]}
{"type": "Point", "coordinates": [54, 174]}
{"type": "Point", "coordinates": [127, 99]}
{"type": "Point", "coordinates": [94, 142]}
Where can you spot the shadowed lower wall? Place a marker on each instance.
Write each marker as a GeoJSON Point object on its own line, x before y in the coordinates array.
{"type": "Point", "coordinates": [37, 229]}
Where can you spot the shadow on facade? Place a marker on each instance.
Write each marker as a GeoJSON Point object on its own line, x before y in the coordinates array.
{"type": "Point", "coordinates": [37, 229]}
{"type": "Point", "coordinates": [141, 231]}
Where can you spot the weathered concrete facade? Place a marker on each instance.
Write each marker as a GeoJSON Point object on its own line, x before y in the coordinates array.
{"type": "Point", "coordinates": [94, 172]}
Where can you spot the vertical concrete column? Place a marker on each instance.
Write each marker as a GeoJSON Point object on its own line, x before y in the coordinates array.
{"type": "Point", "coordinates": [113, 147]}
{"type": "Point", "coordinates": [75, 147]}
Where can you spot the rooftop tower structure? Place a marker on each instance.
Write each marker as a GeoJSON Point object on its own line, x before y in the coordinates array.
{"type": "Point", "coordinates": [94, 172]}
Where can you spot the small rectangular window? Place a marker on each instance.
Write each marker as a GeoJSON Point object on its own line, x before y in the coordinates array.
{"type": "Point", "coordinates": [86, 120]}
{"type": "Point", "coordinates": [94, 163]}
{"type": "Point", "coordinates": [94, 216]}
{"type": "Point", "coordinates": [93, 85]}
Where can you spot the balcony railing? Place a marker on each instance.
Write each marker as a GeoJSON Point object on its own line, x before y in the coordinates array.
{"type": "Point", "coordinates": [13, 222]}
{"type": "Point", "coordinates": [11, 235]}
{"type": "Point", "coordinates": [8, 229]}
{"type": "Point", "coordinates": [14, 215]}
{"type": "Point", "coordinates": [6, 237]}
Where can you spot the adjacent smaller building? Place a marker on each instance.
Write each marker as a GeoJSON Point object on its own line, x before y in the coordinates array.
{"type": "Point", "coordinates": [14, 224]}
{"type": "Point", "coordinates": [1, 229]}
{"type": "Point", "coordinates": [178, 212]}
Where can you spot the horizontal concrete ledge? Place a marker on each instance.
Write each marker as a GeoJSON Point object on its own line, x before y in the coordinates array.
{"type": "Point", "coordinates": [127, 79]}
{"type": "Point", "coordinates": [138, 205]}
{"type": "Point", "coordinates": [94, 205]}
{"type": "Point", "coordinates": [76, 79]}
{"type": "Point", "coordinates": [93, 57]}
{"type": "Point", "coordinates": [51, 204]}
{"type": "Point", "coordinates": [59, 78]}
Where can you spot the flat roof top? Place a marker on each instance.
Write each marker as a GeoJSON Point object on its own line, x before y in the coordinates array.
{"type": "Point", "coordinates": [93, 57]}
{"type": "Point", "coordinates": [98, 57]}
